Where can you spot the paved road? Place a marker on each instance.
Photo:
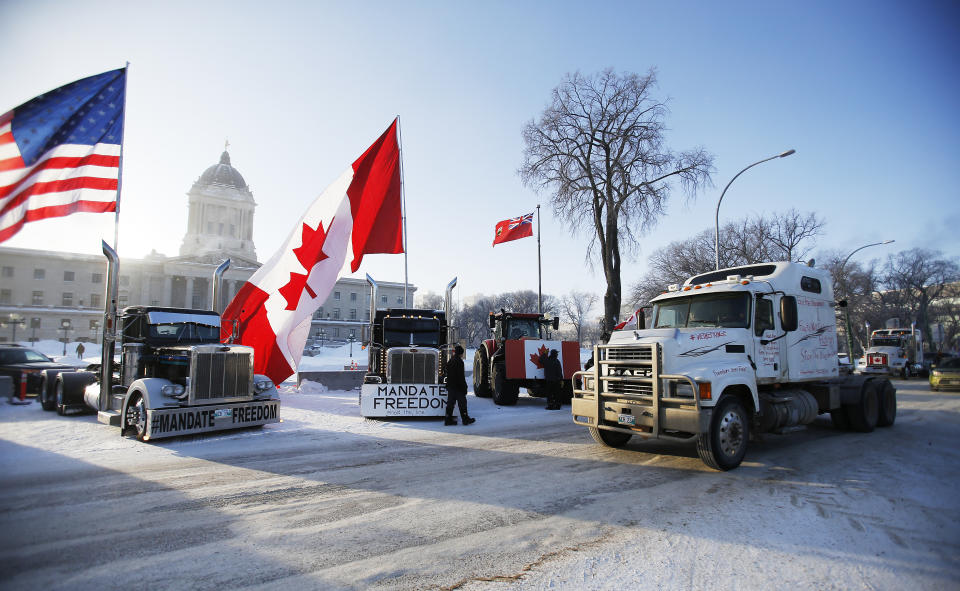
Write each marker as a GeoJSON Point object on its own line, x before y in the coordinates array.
{"type": "Point", "coordinates": [333, 501]}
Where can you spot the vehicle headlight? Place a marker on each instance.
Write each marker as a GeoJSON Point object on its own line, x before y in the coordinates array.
{"type": "Point", "coordinates": [683, 390]}
{"type": "Point", "coordinates": [262, 385]}
{"type": "Point", "coordinates": [935, 373]}
{"type": "Point", "coordinates": [172, 390]}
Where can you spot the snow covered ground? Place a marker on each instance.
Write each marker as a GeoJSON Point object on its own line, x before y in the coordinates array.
{"type": "Point", "coordinates": [521, 499]}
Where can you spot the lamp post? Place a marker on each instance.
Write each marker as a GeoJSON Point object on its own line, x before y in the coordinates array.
{"type": "Point", "coordinates": [14, 320]}
{"type": "Point", "coordinates": [322, 334]}
{"type": "Point", "coordinates": [65, 327]}
{"type": "Point", "coordinates": [96, 330]}
{"type": "Point", "coordinates": [351, 339]}
{"type": "Point", "coordinates": [846, 310]}
{"type": "Point", "coordinates": [716, 240]}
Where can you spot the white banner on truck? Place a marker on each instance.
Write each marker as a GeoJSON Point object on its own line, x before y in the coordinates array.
{"type": "Point", "coordinates": [403, 400]}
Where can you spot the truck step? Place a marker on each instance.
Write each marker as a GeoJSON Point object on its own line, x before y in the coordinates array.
{"type": "Point", "coordinates": [109, 417]}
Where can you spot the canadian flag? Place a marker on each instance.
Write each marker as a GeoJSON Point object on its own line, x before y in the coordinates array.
{"type": "Point", "coordinates": [358, 214]}
{"type": "Point", "coordinates": [627, 321]}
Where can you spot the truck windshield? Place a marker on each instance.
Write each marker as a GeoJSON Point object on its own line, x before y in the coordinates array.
{"type": "Point", "coordinates": [402, 332]}
{"type": "Point", "coordinates": [523, 327]}
{"type": "Point", "coordinates": [712, 311]}
{"type": "Point", "coordinates": [179, 328]}
{"type": "Point", "coordinates": [885, 341]}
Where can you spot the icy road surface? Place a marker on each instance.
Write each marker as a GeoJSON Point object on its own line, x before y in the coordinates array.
{"type": "Point", "coordinates": [523, 498]}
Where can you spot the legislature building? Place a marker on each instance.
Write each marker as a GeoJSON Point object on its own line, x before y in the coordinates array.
{"type": "Point", "coordinates": [59, 295]}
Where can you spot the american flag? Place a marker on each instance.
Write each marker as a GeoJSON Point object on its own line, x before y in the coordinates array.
{"type": "Point", "coordinates": [513, 228]}
{"type": "Point", "coordinates": [60, 152]}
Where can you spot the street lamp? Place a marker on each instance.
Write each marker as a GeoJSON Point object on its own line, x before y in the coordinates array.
{"type": "Point", "coordinates": [846, 310]}
{"type": "Point", "coordinates": [322, 334]}
{"type": "Point", "coordinates": [65, 326]}
{"type": "Point", "coordinates": [96, 330]}
{"type": "Point", "coordinates": [716, 240]}
{"type": "Point", "coordinates": [14, 320]}
{"type": "Point", "coordinates": [351, 339]}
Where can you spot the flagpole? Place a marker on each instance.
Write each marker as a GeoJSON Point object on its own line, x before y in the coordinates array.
{"type": "Point", "coordinates": [403, 213]}
{"type": "Point", "coordinates": [123, 130]}
{"type": "Point", "coordinates": [539, 270]}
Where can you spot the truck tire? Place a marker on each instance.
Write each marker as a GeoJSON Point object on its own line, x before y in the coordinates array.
{"type": "Point", "coordinates": [725, 445]}
{"type": "Point", "coordinates": [505, 392]}
{"type": "Point", "coordinates": [59, 405]}
{"type": "Point", "coordinates": [865, 412]}
{"type": "Point", "coordinates": [840, 419]}
{"type": "Point", "coordinates": [481, 373]}
{"type": "Point", "coordinates": [48, 391]}
{"type": "Point", "coordinates": [888, 404]}
{"type": "Point", "coordinates": [135, 416]}
{"type": "Point", "coordinates": [609, 438]}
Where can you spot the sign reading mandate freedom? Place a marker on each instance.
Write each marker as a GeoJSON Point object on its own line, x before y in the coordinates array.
{"type": "Point", "coordinates": [403, 400]}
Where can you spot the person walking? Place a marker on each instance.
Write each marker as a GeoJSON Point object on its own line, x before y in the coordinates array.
{"type": "Point", "coordinates": [456, 388]}
{"type": "Point", "coordinates": [80, 350]}
{"type": "Point", "coordinates": [553, 375]}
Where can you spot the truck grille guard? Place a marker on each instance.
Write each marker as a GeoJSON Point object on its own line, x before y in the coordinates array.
{"type": "Point", "coordinates": [631, 375]}
{"type": "Point", "coordinates": [220, 376]}
{"type": "Point", "coordinates": [412, 366]}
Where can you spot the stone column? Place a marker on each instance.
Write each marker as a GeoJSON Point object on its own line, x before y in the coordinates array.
{"type": "Point", "coordinates": [167, 291]}
{"type": "Point", "coordinates": [188, 297]}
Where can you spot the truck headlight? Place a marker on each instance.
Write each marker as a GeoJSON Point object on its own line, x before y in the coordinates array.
{"type": "Point", "coordinates": [683, 390]}
{"type": "Point", "coordinates": [171, 390]}
{"type": "Point", "coordinates": [935, 373]}
{"type": "Point", "coordinates": [262, 385]}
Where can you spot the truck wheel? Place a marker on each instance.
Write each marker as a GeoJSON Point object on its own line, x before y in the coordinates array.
{"type": "Point", "coordinates": [865, 413]}
{"type": "Point", "coordinates": [135, 417]}
{"type": "Point", "coordinates": [888, 405]}
{"type": "Point", "coordinates": [725, 445]}
{"type": "Point", "coordinates": [609, 438]}
{"type": "Point", "coordinates": [61, 409]}
{"type": "Point", "coordinates": [505, 393]}
{"type": "Point", "coordinates": [840, 419]}
{"type": "Point", "coordinates": [48, 394]}
{"type": "Point", "coordinates": [481, 373]}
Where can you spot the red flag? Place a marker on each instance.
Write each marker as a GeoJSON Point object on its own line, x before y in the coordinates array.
{"type": "Point", "coordinates": [514, 228]}
{"type": "Point", "coordinates": [360, 213]}
{"type": "Point", "coordinates": [627, 321]}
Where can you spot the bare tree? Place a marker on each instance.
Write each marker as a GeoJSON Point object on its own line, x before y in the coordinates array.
{"type": "Point", "coordinates": [600, 148]}
{"type": "Point", "coordinates": [430, 300]}
{"type": "Point", "coordinates": [750, 240]}
{"type": "Point", "coordinates": [919, 277]}
{"type": "Point", "coordinates": [576, 307]}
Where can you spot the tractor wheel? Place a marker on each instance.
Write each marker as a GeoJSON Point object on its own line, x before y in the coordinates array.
{"type": "Point", "coordinates": [505, 392]}
{"type": "Point", "coordinates": [865, 412]}
{"type": "Point", "coordinates": [481, 373]}
{"type": "Point", "coordinates": [888, 404]}
{"type": "Point", "coordinates": [609, 438]}
{"type": "Point", "coordinates": [48, 393]}
{"type": "Point", "coordinates": [61, 409]}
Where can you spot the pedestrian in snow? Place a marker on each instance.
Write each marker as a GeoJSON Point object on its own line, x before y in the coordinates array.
{"type": "Point", "coordinates": [553, 374]}
{"type": "Point", "coordinates": [80, 350]}
{"type": "Point", "coordinates": [456, 388]}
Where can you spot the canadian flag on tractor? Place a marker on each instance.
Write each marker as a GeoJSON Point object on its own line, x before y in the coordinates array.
{"type": "Point", "coordinates": [360, 213]}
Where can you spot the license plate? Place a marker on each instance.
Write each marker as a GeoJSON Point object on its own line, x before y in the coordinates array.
{"type": "Point", "coordinates": [627, 420]}
{"type": "Point", "coordinates": [222, 413]}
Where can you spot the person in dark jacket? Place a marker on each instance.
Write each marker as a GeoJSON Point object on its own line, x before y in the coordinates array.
{"type": "Point", "coordinates": [553, 374]}
{"type": "Point", "coordinates": [456, 388]}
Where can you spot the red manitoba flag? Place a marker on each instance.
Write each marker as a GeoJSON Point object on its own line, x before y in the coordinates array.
{"type": "Point", "coordinates": [514, 228]}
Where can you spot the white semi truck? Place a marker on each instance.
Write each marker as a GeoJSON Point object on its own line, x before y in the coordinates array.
{"type": "Point", "coordinates": [894, 351]}
{"type": "Point", "coordinates": [728, 354]}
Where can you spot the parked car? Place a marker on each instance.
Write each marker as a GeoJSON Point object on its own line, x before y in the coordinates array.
{"type": "Point", "coordinates": [945, 375]}
{"type": "Point", "coordinates": [16, 361]}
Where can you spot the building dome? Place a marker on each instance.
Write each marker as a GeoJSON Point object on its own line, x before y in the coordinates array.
{"type": "Point", "coordinates": [223, 174]}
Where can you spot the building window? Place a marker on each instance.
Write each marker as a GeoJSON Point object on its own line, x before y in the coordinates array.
{"type": "Point", "coordinates": [122, 300]}
{"type": "Point", "coordinates": [366, 315]}
{"type": "Point", "coordinates": [7, 272]}
{"type": "Point", "coordinates": [37, 299]}
{"type": "Point", "coordinates": [336, 313]}
{"type": "Point", "coordinates": [35, 323]}
{"type": "Point", "coordinates": [336, 295]}
{"type": "Point", "coordinates": [39, 273]}
{"type": "Point", "coordinates": [319, 313]}
{"type": "Point", "coordinates": [400, 300]}
{"type": "Point", "coordinates": [67, 298]}
{"type": "Point", "coordinates": [383, 299]}
{"type": "Point", "coordinates": [336, 332]}
{"type": "Point", "coordinates": [353, 296]}
{"type": "Point", "coordinates": [353, 333]}
{"type": "Point", "coordinates": [96, 278]}
{"type": "Point", "coordinates": [95, 301]}
{"type": "Point", "coordinates": [5, 296]}
{"type": "Point", "coordinates": [68, 275]}
{"type": "Point", "coordinates": [124, 280]}
{"type": "Point", "coordinates": [353, 313]}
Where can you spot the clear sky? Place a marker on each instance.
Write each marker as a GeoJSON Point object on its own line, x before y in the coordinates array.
{"type": "Point", "coordinates": [866, 92]}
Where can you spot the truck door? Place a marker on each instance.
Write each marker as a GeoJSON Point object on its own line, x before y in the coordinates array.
{"type": "Point", "coordinates": [767, 356]}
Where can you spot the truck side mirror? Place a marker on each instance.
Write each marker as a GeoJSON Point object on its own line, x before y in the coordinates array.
{"type": "Point", "coordinates": [788, 313]}
{"type": "Point", "coordinates": [641, 319]}
{"type": "Point", "coordinates": [556, 323]}
{"type": "Point", "coordinates": [493, 322]}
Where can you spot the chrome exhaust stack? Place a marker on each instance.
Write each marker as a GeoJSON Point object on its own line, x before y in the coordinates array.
{"type": "Point", "coordinates": [448, 310]}
{"type": "Point", "coordinates": [109, 335]}
{"type": "Point", "coordinates": [217, 285]}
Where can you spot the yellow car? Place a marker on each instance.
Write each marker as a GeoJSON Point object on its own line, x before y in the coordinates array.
{"type": "Point", "coordinates": [946, 375]}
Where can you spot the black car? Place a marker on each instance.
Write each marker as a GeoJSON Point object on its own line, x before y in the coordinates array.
{"type": "Point", "coordinates": [16, 361]}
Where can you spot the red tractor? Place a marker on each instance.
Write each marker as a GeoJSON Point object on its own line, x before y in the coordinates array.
{"type": "Point", "coordinates": [511, 359]}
